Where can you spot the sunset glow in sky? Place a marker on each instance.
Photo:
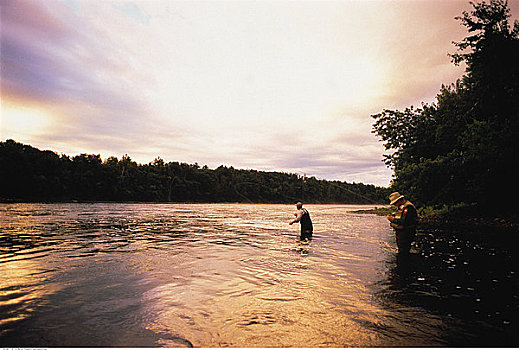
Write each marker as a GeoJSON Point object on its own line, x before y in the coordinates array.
{"type": "Point", "coordinates": [277, 86]}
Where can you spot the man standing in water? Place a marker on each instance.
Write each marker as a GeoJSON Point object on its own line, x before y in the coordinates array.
{"type": "Point", "coordinates": [303, 217]}
{"type": "Point", "coordinates": [404, 222]}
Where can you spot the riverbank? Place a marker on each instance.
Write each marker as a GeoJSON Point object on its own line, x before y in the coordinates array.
{"type": "Point", "coordinates": [464, 218]}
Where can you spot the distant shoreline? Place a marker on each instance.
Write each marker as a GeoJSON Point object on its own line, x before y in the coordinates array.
{"type": "Point", "coordinates": [34, 175]}
{"type": "Point", "coordinates": [381, 211]}
{"type": "Point", "coordinates": [12, 201]}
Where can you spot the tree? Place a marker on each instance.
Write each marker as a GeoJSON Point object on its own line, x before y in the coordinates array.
{"type": "Point", "coordinates": [463, 147]}
{"type": "Point", "coordinates": [29, 174]}
{"type": "Point", "coordinates": [491, 141]}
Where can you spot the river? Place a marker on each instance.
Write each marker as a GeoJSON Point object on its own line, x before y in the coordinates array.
{"type": "Point", "coordinates": [235, 275]}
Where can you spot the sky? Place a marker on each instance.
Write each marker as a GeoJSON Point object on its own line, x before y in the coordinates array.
{"type": "Point", "coordinates": [267, 85]}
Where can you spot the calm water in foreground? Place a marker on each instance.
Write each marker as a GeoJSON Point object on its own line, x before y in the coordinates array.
{"type": "Point", "coordinates": [225, 275]}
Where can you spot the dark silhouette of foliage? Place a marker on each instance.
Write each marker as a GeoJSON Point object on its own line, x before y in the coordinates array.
{"type": "Point", "coordinates": [464, 147]}
{"type": "Point", "coordinates": [28, 174]}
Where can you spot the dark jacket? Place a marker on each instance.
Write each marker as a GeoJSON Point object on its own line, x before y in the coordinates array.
{"type": "Point", "coordinates": [407, 217]}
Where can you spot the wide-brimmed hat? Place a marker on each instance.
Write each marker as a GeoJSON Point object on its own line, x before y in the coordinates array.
{"type": "Point", "coordinates": [394, 197]}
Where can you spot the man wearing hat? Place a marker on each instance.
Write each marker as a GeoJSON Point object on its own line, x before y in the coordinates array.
{"type": "Point", "coordinates": [404, 221]}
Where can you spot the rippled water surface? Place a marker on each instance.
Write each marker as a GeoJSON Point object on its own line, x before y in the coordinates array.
{"type": "Point", "coordinates": [232, 275]}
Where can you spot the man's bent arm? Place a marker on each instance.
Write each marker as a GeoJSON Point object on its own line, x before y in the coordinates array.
{"type": "Point", "coordinates": [298, 217]}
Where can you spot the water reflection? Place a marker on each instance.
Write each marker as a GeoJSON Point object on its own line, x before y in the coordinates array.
{"type": "Point", "coordinates": [20, 292]}
{"type": "Point", "coordinates": [470, 290]}
{"type": "Point", "coordinates": [237, 276]}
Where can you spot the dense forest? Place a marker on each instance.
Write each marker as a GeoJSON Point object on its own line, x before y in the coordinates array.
{"type": "Point", "coordinates": [463, 149]}
{"type": "Point", "coordinates": [29, 174]}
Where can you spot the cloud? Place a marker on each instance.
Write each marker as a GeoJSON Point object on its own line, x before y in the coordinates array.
{"type": "Point", "coordinates": [285, 86]}
{"type": "Point", "coordinates": [48, 61]}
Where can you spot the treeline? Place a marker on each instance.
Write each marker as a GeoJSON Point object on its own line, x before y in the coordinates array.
{"type": "Point", "coordinates": [29, 174]}
{"type": "Point", "coordinates": [464, 147]}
